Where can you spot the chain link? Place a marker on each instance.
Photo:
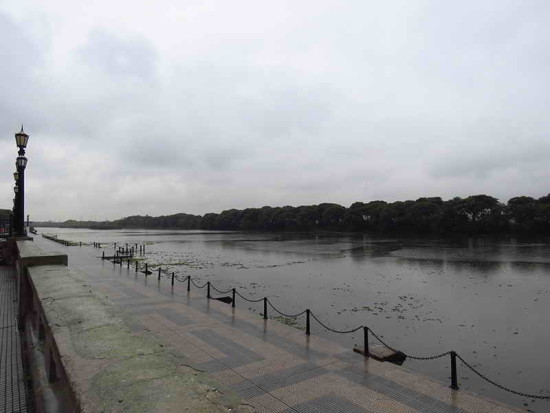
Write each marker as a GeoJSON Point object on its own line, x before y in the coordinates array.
{"type": "Point", "coordinates": [246, 299]}
{"type": "Point", "coordinates": [219, 291]}
{"type": "Point", "coordinates": [283, 314]}
{"type": "Point", "coordinates": [202, 286]}
{"type": "Point", "coordinates": [333, 330]}
{"type": "Point", "coordinates": [408, 356]}
{"type": "Point", "coordinates": [500, 386]}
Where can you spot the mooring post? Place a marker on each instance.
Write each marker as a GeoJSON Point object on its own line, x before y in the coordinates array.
{"type": "Point", "coordinates": [233, 301]}
{"type": "Point", "coordinates": [308, 328]}
{"type": "Point", "coordinates": [188, 283]}
{"type": "Point", "coordinates": [159, 275]}
{"type": "Point", "coordinates": [265, 308]}
{"type": "Point", "coordinates": [208, 289]}
{"type": "Point", "coordinates": [173, 274]}
{"type": "Point", "coordinates": [454, 381]}
{"type": "Point", "coordinates": [366, 341]}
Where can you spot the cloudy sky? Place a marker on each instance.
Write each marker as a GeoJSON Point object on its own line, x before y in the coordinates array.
{"type": "Point", "coordinates": [199, 106]}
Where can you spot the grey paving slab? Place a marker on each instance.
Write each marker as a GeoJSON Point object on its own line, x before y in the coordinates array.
{"type": "Point", "coordinates": [329, 403]}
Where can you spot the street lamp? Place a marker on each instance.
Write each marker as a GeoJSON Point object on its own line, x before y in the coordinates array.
{"type": "Point", "coordinates": [21, 140]}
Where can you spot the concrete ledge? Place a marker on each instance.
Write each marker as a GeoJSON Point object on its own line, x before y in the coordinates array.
{"type": "Point", "coordinates": [96, 363]}
{"type": "Point", "coordinates": [30, 255]}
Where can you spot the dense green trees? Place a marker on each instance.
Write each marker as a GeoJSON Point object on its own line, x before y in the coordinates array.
{"type": "Point", "coordinates": [476, 214]}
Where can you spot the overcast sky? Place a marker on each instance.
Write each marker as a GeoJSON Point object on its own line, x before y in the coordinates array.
{"type": "Point", "coordinates": [159, 107]}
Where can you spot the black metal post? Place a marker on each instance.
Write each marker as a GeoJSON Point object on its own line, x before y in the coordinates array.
{"type": "Point", "coordinates": [128, 263]}
{"type": "Point", "coordinates": [233, 301]}
{"type": "Point", "coordinates": [188, 283]}
{"type": "Point", "coordinates": [265, 308]}
{"type": "Point", "coordinates": [159, 274]}
{"type": "Point", "coordinates": [173, 274]}
{"type": "Point", "coordinates": [20, 214]}
{"type": "Point", "coordinates": [208, 289]}
{"type": "Point", "coordinates": [366, 341]}
{"type": "Point", "coordinates": [137, 265]}
{"type": "Point", "coordinates": [308, 327]}
{"type": "Point", "coordinates": [146, 270]}
{"type": "Point", "coordinates": [454, 381]}
{"type": "Point", "coordinates": [103, 255]}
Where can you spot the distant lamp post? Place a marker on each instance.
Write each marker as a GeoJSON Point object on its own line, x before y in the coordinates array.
{"type": "Point", "coordinates": [21, 139]}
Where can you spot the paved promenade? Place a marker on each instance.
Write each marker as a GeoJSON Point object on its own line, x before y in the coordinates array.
{"type": "Point", "coordinates": [14, 396]}
{"type": "Point", "coordinates": [274, 367]}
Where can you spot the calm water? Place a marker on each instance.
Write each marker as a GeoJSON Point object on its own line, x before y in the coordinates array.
{"type": "Point", "coordinates": [487, 299]}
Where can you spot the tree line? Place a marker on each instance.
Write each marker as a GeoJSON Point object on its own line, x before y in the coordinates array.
{"type": "Point", "coordinates": [477, 214]}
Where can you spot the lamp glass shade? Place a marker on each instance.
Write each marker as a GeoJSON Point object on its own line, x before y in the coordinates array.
{"type": "Point", "coordinates": [21, 162]}
{"type": "Point", "coordinates": [21, 139]}
{"type": "Point", "coordinates": [16, 176]}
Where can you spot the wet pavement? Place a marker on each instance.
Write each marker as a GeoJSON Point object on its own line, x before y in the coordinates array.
{"type": "Point", "coordinates": [14, 393]}
{"type": "Point", "coordinates": [274, 367]}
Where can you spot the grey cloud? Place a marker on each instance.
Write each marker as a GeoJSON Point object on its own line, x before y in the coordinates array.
{"type": "Point", "coordinates": [118, 56]}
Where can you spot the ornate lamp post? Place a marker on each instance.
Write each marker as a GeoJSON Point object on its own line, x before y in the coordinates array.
{"type": "Point", "coordinates": [21, 139]}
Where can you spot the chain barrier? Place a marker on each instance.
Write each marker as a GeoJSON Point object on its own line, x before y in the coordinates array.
{"type": "Point", "coordinates": [283, 314]}
{"type": "Point", "coordinates": [469, 366]}
{"type": "Point", "coordinates": [246, 299]}
{"type": "Point", "coordinates": [193, 282]}
{"type": "Point", "coordinates": [219, 291]}
{"type": "Point", "coordinates": [500, 386]}
{"type": "Point", "coordinates": [333, 330]}
{"type": "Point", "coordinates": [408, 356]}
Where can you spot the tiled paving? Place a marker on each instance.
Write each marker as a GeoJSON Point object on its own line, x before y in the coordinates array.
{"type": "Point", "coordinates": [274, 367]}
{"type": "Point", "coordinates": [14, 396]}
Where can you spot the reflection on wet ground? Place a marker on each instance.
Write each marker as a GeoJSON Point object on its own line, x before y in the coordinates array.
{"type": "Point", "coordinates": [487, 299]}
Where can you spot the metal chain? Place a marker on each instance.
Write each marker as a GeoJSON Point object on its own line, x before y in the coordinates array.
{"type": "Point", "coordinates": [202, 286]}
{"type": "Point", "coordinates": [246, 299]}
{"type": "Point", "coordinates": [408, 356]}
{"type": "Point", "coordinates": [333, 330]}
{"type": "Point", "coordinates": [500, 386]}
{"type": "Point", "coordinates": [219, 291]}
{"type": "Point", "coordinates": [283, 314]}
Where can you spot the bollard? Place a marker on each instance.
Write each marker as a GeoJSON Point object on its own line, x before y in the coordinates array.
{"type": "Point", "coordinates": [80, 243]}
{"type": "Point", "coordinates": [115, 245]}
{"type": "Point", "coordinates": [233, 301]}
{"type": "Point", "coordinates": [208, 289]}
{"type": "Point", "coordinates": [146, 270]}
{"type": "Point", "coordinates": [454, 382]}
{"type": "Point", "coordinates": [103, 255]}
{"type": "Point", "coordinates": [366, 341]}
{"type": "Point", "coordinates": [308, 328]}
{"type": "Point", "coordinates": [188, 283]}
{"type": "Point", "coordinates": [128, 263]}
{"type": "Point", "coordinates": [173, 278]}
{"type": "Point", "coordinates": [159, 274]}
{"type": "Point", "coordinates": [265, 308]}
